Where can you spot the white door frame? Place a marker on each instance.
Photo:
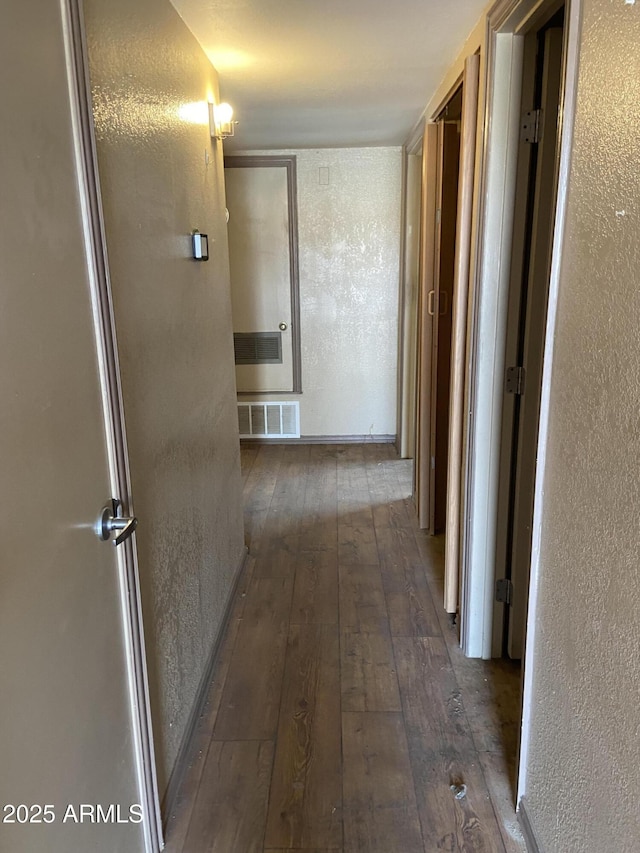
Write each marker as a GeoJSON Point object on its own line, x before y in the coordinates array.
{"type": "Point", "coordinates": [507, 22]}
{"type": "Point", "coordinates": [104, 324]}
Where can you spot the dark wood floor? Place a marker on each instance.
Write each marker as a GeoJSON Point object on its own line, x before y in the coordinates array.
{"type": "Point", "coordinates": [342, 715]}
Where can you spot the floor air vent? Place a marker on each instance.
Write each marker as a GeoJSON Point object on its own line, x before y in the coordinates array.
{"type": "Point", "coordinates": [269, 420]}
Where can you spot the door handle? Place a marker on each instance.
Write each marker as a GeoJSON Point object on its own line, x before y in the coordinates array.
{"type": "Point", "coordinates": [430, 301]}
{"type": "Point", "coordinates": [283, 327]}
{"type": "Point", "coordinates": [109, 522]}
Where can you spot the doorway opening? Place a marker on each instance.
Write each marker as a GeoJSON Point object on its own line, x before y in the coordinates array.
{"type": "Point", "coordinates": [439, 209]}
{"type": "Point", "coordinates": [439, 306]}
{"type": "Point", "coordinates": [536, 189]}
{"type": "Point", "coordinates": [529, 277]}
{"type": "Point", "coordinates": [440, 261]}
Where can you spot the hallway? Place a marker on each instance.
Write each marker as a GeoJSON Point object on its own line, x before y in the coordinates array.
{"type": "Point", "coordinates": [342, 711]}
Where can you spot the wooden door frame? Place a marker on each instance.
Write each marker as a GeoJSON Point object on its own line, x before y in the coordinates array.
{"type": "Point", "coordinates": [119, 473]}
{"type": "Point", "coordinates": [460, 299]}
{"type": "Point", "coordinates": [423, 488]}
{"type": "Point", "coordinates": [426, 275]}
{"type": "Point", "coordinates": [424, 485]}
{"type": "Point", "coordinates": [288, 162]}
{"type": "Point", "coordinates": [433, 310]}
{"type": "Point", "coordinates": [408, 297]}
{"type": "Point", "coordinates": [409, 310]}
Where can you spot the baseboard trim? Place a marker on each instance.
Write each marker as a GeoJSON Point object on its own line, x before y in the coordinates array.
{"type": "Point", "coordinates": [183, 759]}
{"type": "Point", "coordinates": [533, 845]}
{"type": "Point", "coordinates": [325, 439]}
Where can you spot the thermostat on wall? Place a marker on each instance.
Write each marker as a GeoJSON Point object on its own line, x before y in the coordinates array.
{"type": "Point", "coordinates": [200, 246]}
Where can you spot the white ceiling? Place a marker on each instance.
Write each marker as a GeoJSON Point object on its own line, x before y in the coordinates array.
{"type": "Point", "coordinates": [316, 73]}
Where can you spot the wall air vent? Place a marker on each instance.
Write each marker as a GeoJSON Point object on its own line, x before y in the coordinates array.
{"type": "Point", "coordinates": [258, 347]}
{"type": "Point", "coordinates": [269, 420]}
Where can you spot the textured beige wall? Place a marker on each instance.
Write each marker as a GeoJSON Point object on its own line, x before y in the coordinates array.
{"type": "Point", "coordinates": [173, 324]}
{"type": "Point", "coordinates": [583, 776]}
{"type": "Point", "coordinates": [349, 241]}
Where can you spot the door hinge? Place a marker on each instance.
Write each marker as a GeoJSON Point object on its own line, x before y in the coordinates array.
{"type": "Point", "coordinates": [504, 591]}
{"type": "Point", "coordinates": [515, 380]}
{"type": "Point", "coordinates": [438, 216]}
{"type": "Point", "coordinates": [531, 127]}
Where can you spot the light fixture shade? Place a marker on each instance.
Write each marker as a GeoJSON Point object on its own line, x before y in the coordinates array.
{"type": "Point", "coordinates": [221, 120]}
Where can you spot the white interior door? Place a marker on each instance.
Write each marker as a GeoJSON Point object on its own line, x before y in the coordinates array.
{"type": "Point", "coordinates": [260, 257]}
{"type": "Point", "coordinates": [67, 732]}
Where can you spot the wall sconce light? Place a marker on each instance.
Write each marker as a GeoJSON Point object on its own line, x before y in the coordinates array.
{"type": "Point", "coordinates": [221, 121]}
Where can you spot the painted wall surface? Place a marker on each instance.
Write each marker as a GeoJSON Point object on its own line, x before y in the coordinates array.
{"type": "Point", "coordinates": [173, 322]}
{"type": "Point", "coordinates": [349, 245]}
{"type": "Point", "coordinates": [583, 773]}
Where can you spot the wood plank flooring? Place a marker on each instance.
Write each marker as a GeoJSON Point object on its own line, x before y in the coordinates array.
{"type": "Point", "coordinates": [342, 716]}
